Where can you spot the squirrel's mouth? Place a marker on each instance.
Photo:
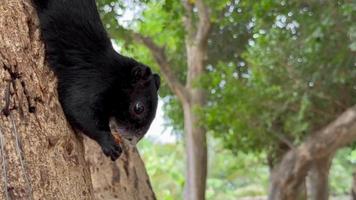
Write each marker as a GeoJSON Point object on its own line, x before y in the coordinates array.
{"type": "Point", "coordinates": [120, 132]}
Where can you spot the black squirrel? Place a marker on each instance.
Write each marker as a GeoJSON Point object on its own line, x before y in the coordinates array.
{"type": "Point", "coordinates": [96, 85]}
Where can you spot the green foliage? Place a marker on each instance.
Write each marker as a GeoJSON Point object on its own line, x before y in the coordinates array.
{"type": "Point", "coordinates": [165, 166]}
{"type": "Point", "coordinates": [297, 74]}
{"type": "Point", "coordinates": [341, 171]}
{"type": "Point", "coordinates": [229, 177]}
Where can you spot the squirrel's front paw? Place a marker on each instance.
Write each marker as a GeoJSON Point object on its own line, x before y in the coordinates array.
{"type": "Point", "coordinates": [111, 149]}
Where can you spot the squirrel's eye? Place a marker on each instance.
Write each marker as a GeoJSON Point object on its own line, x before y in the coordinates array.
{"type": "Point", "coordinates": [139, 108]}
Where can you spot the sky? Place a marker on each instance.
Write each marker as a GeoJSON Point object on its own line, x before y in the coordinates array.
{"type": "Point", "coordinates": [158, 132]}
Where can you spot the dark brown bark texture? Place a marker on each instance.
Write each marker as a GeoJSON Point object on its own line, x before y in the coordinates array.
{"type": "Point", "coordinates": [288, 176]}
{"type": "Point", "coordinates": [40, 157]}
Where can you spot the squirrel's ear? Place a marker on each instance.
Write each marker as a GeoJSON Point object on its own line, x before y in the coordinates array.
{"type": "Point", "coordinates": [140, 73]}
{"type": "Point", "coordinates": [157, 80]}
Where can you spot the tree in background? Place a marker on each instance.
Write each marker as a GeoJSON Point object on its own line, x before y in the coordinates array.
{"type": "Point", "coordinates": [288, 176]}
{"type": "Point", "coordinates": [299, 76]}
{"type": "Point", "coordinates": [190, 96]}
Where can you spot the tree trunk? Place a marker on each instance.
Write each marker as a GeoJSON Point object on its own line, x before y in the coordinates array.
{"type": "Point", "coordinates": [318, 179]}
{"type": "Point", "coordinates": [295, 165]}
{"type": "Point", "coordinates": [196, 150]}
{"type": "Point", "coordinates": [196, 146]}
{"type": "Point", "coordinates": [275, 157]}
{"type": "Point", "coordinates": [40, 157]}
{"type": "Point", "coordinates": [125, 179]}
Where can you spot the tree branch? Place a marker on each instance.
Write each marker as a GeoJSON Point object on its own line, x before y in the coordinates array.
{"type": "Point", "coordinates": [200, 33]}
{"type": "Point", "coordinates": [188, 19]}
{"type": "Point", "coordinates": [204, 24]}
{"type": "Point", "coordinates": [166, 69]}
{"type": "Point", "coordinates": [288, 176]}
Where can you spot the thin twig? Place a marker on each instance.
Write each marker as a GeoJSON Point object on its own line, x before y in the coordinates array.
{"type": "Point", "coordinates": [22, 160]}
{"type": "Point", "coordinates": [3, 164]}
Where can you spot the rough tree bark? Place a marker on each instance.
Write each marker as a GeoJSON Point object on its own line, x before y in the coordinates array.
{"type": "Point", "coordinates": [295, 165]}
{"type": "Point", "coordinates": [125, 179]}
{"type": "Point", "coordinates": [318, 179]}
{"type": "Point", "coordinates": [191, 97]}
{"type": "Point", "coordinates": [40, 157]}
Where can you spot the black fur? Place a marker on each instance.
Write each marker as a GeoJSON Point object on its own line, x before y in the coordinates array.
{"type": "Point", "coordinates": [95, 84]}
